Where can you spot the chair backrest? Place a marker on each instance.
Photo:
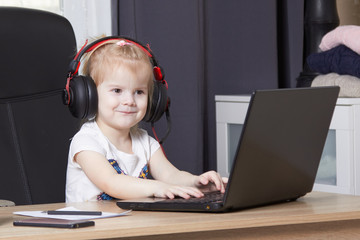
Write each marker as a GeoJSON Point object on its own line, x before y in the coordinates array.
{"type": "Point", "coordinates": [35, 127]}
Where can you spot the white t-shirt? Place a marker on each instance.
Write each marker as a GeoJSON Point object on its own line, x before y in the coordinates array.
{"type": "Point", "coordinates": [78, 186]}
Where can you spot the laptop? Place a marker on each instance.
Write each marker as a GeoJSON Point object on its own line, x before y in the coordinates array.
{"type": "Point", "coordinates": [277, 157]}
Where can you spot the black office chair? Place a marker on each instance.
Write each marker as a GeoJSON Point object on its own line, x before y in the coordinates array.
{"type": "Point", "coordinates": [35, 126]}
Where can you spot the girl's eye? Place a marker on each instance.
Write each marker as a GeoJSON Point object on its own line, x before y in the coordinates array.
{"type": "Point", "coordinates": [139, 92]}
{"type": "Point", "coordinates": [116, 90]}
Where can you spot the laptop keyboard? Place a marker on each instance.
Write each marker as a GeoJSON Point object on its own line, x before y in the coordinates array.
{"type": "Point", "coordinates": [208, 198]}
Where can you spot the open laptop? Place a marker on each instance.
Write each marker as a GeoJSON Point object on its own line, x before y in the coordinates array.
{"type": "Point", "coordinates": [278, 153]}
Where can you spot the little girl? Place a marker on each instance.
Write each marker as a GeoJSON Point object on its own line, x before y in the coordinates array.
{"type": "Point", "coordinates": [110, 157]}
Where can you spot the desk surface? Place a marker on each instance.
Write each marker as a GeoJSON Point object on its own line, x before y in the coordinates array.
{"type": "Point", "coordinates": [316, 213]}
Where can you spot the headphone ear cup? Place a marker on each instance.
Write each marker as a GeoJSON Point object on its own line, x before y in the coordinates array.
{"type": "Point", "coordinates": [158, 104]}
{"type": "Point", "coordinates": [83, 97]}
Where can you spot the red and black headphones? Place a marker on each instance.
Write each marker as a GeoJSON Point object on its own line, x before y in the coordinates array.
{"type": "Point", "coordinates": [80, 93]}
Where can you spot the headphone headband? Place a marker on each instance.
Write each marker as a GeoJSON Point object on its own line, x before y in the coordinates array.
{"type": "Point", "coordinates": [75, 63]}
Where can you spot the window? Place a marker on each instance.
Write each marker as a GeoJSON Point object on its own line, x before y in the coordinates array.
{"type": "Point", "coordinates": [47, 5]}
{"type": "Point", "coordinates": [89, 18]}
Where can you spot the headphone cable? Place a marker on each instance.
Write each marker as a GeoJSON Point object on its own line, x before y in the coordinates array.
{"type": "Point", "coordinates": [161, 141]}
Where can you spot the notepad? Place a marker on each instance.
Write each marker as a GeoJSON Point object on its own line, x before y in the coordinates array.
{"type": "Point", "coordinates": [43, 214]}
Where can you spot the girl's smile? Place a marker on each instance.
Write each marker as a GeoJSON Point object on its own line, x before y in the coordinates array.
{"type": "Point", "coordinates": [126, 111]}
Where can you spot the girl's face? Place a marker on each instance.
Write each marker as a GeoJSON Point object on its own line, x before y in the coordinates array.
{"type": "Point", "coordinates": [123, 99]}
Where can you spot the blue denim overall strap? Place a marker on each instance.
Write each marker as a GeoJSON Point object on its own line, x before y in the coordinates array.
{"type": "Point", "coordinates": [143, 174]}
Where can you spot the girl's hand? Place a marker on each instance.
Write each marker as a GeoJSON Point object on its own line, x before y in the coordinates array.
{"type": "Point", "coordinates": [164, 190]}
{"type": "Point", "coordinates": [211, 181]}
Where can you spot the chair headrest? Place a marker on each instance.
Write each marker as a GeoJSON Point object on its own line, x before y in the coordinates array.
{"type": "Point", "coordinates": [36, 49]}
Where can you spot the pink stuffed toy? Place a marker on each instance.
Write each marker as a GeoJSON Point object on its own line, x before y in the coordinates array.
{"type": "Point", "coordinates": [348, 35]}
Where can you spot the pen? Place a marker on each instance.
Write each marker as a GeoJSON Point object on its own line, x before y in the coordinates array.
{"type": "Point", "coordinates": [94, 213]}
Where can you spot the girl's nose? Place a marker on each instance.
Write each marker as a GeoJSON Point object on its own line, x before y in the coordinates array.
{"type": "Point", "coordinates": [128, 99]}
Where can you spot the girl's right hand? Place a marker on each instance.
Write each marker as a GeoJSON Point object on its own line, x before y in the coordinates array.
{"type": "Point", "coordinates": [171, 191]}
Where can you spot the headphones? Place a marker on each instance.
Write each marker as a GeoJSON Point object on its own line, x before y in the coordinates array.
{"type": "Point", "coordinates": [80, 93]}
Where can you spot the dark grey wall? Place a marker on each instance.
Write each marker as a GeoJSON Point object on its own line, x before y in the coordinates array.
{"type": "Point", "coordinates": [208, 48]}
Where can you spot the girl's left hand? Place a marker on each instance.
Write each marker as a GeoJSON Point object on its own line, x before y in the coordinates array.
{"type": "Point", "coordinates": [211, 181]}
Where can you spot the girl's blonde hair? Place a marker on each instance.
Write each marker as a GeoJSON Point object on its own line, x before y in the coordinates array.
{"type": "Point", "coordinates": [110, 56]}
